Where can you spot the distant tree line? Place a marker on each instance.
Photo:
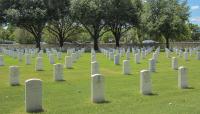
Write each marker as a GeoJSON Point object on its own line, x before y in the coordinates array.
{"type": "Point", "coordinates": [28, 21]}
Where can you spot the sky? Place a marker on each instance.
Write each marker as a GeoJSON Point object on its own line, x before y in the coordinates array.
{"type": "Point", "coordinates": [194, 11]}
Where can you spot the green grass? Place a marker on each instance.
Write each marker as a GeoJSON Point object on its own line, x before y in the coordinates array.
{"type": "Point", "coordinates": [122, 92]}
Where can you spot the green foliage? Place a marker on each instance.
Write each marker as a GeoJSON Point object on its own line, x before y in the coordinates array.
{"type": "Point", "coordinates": [91, 14]}
{"type": "Point", "coordinates": [23, 37]}
{"type": "Point", "coordinates": [195, 31]}
{"type": "Point", "coordinates": [28, 15]}
{"type": "Point", "coordinates": [107, 37]}
{"type": "Point", "coordinates": [123, 15]}
{"type": "Point", "coordinates": [168, 19]}
{"type": "Point", "coordinates": [6, 33]}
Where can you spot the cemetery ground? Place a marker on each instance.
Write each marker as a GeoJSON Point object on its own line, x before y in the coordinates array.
{"type": "Point", "coordinates": [122, 95]}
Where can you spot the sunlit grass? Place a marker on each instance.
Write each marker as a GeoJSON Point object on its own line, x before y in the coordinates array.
{"type": "Point", "coordinates": [122, 91]}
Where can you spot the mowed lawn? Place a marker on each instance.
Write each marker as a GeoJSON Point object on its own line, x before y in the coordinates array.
{"type": "Point", "coordinates": [121, 91]}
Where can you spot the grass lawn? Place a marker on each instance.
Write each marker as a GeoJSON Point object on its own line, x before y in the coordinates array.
{"type": "Point", "coordinates": [122, 92]}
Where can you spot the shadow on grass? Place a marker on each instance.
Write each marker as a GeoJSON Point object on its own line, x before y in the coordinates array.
{"type": "Point", "coordinates": [70, 68]}
{"type": "Point", "coordinates": [103, 102]}
{"type": "Point", "coordinates": [37, 111]}
{"type": "Point", "coordinates": [15, 85]}
{"type": "Point", "coordinates": [60, 81]}
{"type": "Point", "coordinates": [189, 88]}
{"type": "Point", "coordinates": [152, 94]}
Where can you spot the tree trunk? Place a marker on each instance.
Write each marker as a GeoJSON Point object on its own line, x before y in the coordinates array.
{"type": "Point", "coordinates": [96, 37]}
{"type": "Point", "coordinates": [61, 42]}
{"type": "Point", "coordinates": [117, 43]}
{"type": "Point", "coordinates": [167, 43]}
{"type": "Point", "coordinates": [38, 40]}
{"type": "Point", "coordinates": [38, 44]}
{"type": "Point", "coordinates": [117, 39]}
{"type": "Point", "coordinates": [96, 47]}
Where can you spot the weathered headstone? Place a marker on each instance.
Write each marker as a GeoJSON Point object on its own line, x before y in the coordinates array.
{"type": "Point", "coordinates": [182, 77]}
{"type": "Point", "coordinates": [97, 88]}
{"type": "Point", "coordinates": [145, 82]}
{"type": "Point", "coordinates": [137, 58]}
{"type": "Point", "coordinates": [68, 62]}
{"type": "Point", "coordinates": [39, 64]}
{"type": "Point", "coordinates": [152, 65]}
{"type": "Point", "coordinates": [1, 60]}
{"type": "Point", "coordinates": [28, 59]}
{"type": "Point", "coordinates": [116, 59]}
{"type": "Point", "coordinates": [186, 56]}
{"type": "Point", "coordinates": [198, 55]}
{"type": "Point", "coordinates": [33, 95]}
{"type": "Point", "coordinates": [127, 55]}
{"type": "Point", "coordinates": [93, 58]}
{"type": "Point", "coordinates": [155, 56]}
{"type": "Point", "coordinates": [143, 54]}
{"type": "Point", "coordinates": [174, 63]}
{"type": "Point", "coordinates": [51, 58]}
{"type": "Point", "coordinates": [14, 75]}
{"type": "Point", "coordinates": [58, 72]}
{"type": "Point", "coordinates": [94, 68]}
{"type": "Point", "coordinates": [73, 57]}
{"type": "Point", "coordinates": [19, 56]}
{"type": "Point", "coordinates": [59, 55]}
{"type": "Point", "coordinates": [126, 67]}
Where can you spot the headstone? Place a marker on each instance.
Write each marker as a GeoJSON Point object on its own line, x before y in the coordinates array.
{"type": "Point", "coordinates": [28, 59]}
{"type": "Point", "coordinates": [51, 58]}
{"type": "Point", "coordinates": [145, 82]}
{"type": "Point", "coordinates": [116, 59]}
{"type": "Point", "coordinates": [126, 67]}
{"type": "Point", "coordinates": [94, 68]}
{"type": "Point", "coordinates": [1, 60]}
{"type": "Point", "coordinates": [14, 75]}
{"type": "Point", "coordinates": [198, 55]}
{"type": "Point", "coordinates": [127, 55]}
{"type": "Point", "coordinates": [174, 63]}
{"type": "Point", "coordinates": [155, 57]}
{"type": "Point", "coordinates": [93, 58]}
{"type": "Point", "coordinates": [152, 65]}
{"type": "Point", "coordinates": [186, 56]}
{"type": "Point", "coordinates": [58, 72]}
{"type": "Point", "coordinates": [180, 53]}
{"type": "Point", "coordinates": [111, 56]}
{"type": "Point", "coordinates": [73, 57]}
{"type": "Point", "coordinates": [182, 77]}
{"type": "Point", "coordinates": [59, 55]}
{"type": "Point", "coordinates": [33, 95]}
{"type": "Point", "coordinates": [143, 54]}
{"type": "Point", "coordinates": [39, 64]}
{"type": "Point", "coordinates": [168, 53]}
{"type": "Point", "coordinates": [137, 58]}
{"type": "Point", "coordinates": [19, 56]}
{"type": "Point", "coordinates": [68, 62]}
{"type": "Point", "coordinates": [97, 88]}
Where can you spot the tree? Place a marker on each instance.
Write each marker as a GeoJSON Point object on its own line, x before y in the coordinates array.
{"type": "Point", "coordinates": [28, 15]}
{"type": "Point", "coordinates": [60, 25]}
{"type": "Point", "coordinates": [91, 14]}
{"type": "Point", "coordinates": [23, 37]}
{"type": "Point", "coordinates": [195, 31]}
{"type": "Point", "coordinates": [6, 33]}
{"type": "Point", "coordinates": [122, 16]}
{"type": "Point", "coordinates": [168, 19]}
